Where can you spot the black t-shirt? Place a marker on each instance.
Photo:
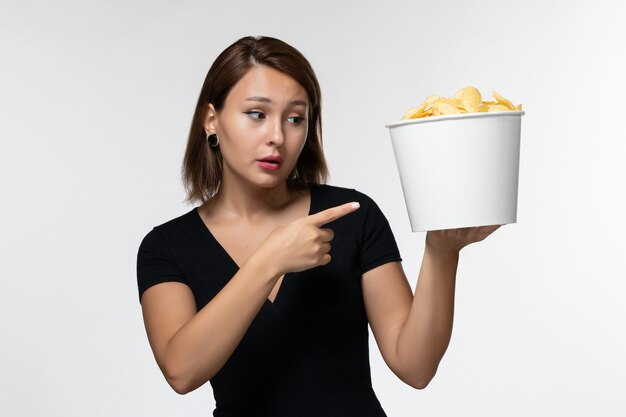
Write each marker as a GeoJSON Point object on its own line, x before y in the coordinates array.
{"type": "Point", "coordinates": [306, 353]}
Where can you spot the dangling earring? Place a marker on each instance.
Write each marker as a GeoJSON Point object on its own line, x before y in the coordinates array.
{"type": "Point", "coordinates": [213, 140]}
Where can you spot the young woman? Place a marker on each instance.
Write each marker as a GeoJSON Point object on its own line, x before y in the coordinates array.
{"type": "Point", "coordinates": [267, 288]}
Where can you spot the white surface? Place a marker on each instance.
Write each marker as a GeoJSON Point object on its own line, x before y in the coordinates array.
{"type": "Point", "coordinates": [459, 171]}
{"type": "Point", "coordinates": [95, 103]}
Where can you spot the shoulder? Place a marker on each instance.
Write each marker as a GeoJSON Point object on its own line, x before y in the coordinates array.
{"type": "Point", "coordinates": [172, 230]}
{"type": "Point", "coordinates": [178, 223]}
{"type": "Point", "coordinates": [339, 193]}
{"type": "Point", "coordinates": [368, 216]}
{"type": "Point", "coordinates": [335, 195]}
{"type": "Point", "coordinates": [368, 226]}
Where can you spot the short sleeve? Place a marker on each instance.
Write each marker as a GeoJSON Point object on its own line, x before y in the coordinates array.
{"type": "Point", "coordinates": [378, 245]}
{"type": "Point", "coordinates": [155, 263]}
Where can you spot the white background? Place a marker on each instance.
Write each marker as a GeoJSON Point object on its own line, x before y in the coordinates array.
{"type": "Point", "coordinates": [96, 99]}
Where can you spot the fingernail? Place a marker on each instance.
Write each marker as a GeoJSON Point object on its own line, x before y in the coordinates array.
{"type": "Point", "coordinates": [355, 205]}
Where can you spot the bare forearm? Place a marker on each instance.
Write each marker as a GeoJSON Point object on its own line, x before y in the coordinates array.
{"type": "Point", "coordinates": [427, 331]}
{"type": "Point", "coordinates": [203, 345]}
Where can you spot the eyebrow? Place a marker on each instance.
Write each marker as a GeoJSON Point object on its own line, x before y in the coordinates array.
{"type": "Point", "coordinates": [267, 100]}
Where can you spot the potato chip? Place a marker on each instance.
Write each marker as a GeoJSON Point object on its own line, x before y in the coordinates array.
{"type": "Point", "coordinates": [451, 101]}
{"type": "Point", "coordinates": [414, 113]}
{"type": "Point", "coordinates": [427, 105]}
{"type": "Point", "coordinates": [442, 108]}
{"type": "Point", "coordinates": [470, 98]}
{"type": "Point", "coordinates": [503, 101]}
{"type": "Point", "coordinates": [411, 113]}
{"type": "Point", "coordinates": [497, 107]}
{"type": "Point", "coordinates": [466, 100]}
{"type": "Point", "coordinates": [430, 100]}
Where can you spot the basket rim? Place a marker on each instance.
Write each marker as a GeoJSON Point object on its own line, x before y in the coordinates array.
{"type": "Point", "coordinates": [431, 119]}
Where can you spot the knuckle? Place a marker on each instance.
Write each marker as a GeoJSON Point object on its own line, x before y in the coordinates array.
{"type": "Point", "coordinates": [320, 248]}
{"type": "Point", "coordinates": [313, 237]}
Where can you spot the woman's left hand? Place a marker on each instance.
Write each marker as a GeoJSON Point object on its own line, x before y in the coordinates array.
{"type": "Point", "coordinates": [450, 241]}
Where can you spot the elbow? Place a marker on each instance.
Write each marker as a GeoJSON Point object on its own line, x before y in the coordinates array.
{"type": "Point", "coordinates": [180, 389]}
{"type": "Point", "coordinates": [177, 381]}
{"type": "Point", "coordinates": [420, 382]}
{"type": "Point", "coordinates": [184, 383]}
{"type": "Point", "coordinates": [179, 385]}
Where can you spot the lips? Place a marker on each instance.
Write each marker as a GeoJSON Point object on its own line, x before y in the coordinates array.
{"type": "Point", "coordinates": [271, 162]}
{"type": "Point", "coordinates": [276, 159]}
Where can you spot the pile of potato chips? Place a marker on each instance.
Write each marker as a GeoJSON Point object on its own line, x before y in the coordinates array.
{"type": "Point", "coordinates": [466, 100]}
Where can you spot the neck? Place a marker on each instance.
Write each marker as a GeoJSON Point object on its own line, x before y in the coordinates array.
{"type": "Point", "coordinates": [246, 202]}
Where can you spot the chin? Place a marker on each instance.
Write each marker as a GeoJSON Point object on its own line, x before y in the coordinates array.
{"type": "Point", "coordinates": [271, 183]}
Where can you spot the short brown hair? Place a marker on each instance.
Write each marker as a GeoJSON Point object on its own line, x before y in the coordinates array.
{"type": "Point", "coordinates": [202, 165]}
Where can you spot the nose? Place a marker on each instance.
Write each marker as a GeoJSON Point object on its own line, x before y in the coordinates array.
{"type": "Point", "coordinates": [276, 134]}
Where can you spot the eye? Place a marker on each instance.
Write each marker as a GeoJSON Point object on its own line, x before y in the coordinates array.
{"type": "Point", "coordinates": [296, 120]}
{"type": "Point", "coordinates": [255, 114]}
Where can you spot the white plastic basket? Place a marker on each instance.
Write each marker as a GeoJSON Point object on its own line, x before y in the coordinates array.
{"type": "Point", "coordinates": [459, 170]}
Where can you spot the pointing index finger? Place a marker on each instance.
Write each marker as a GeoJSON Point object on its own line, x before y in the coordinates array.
{"type": "Point", "coordinates": [333, 213]}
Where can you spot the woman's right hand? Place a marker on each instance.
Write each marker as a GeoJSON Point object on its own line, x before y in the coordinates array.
{"type": "Point", "coordinates": [302, 243]}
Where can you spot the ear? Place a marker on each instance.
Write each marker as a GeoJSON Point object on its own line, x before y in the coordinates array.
{"type": "Point", "coordinates": [210, 120]}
